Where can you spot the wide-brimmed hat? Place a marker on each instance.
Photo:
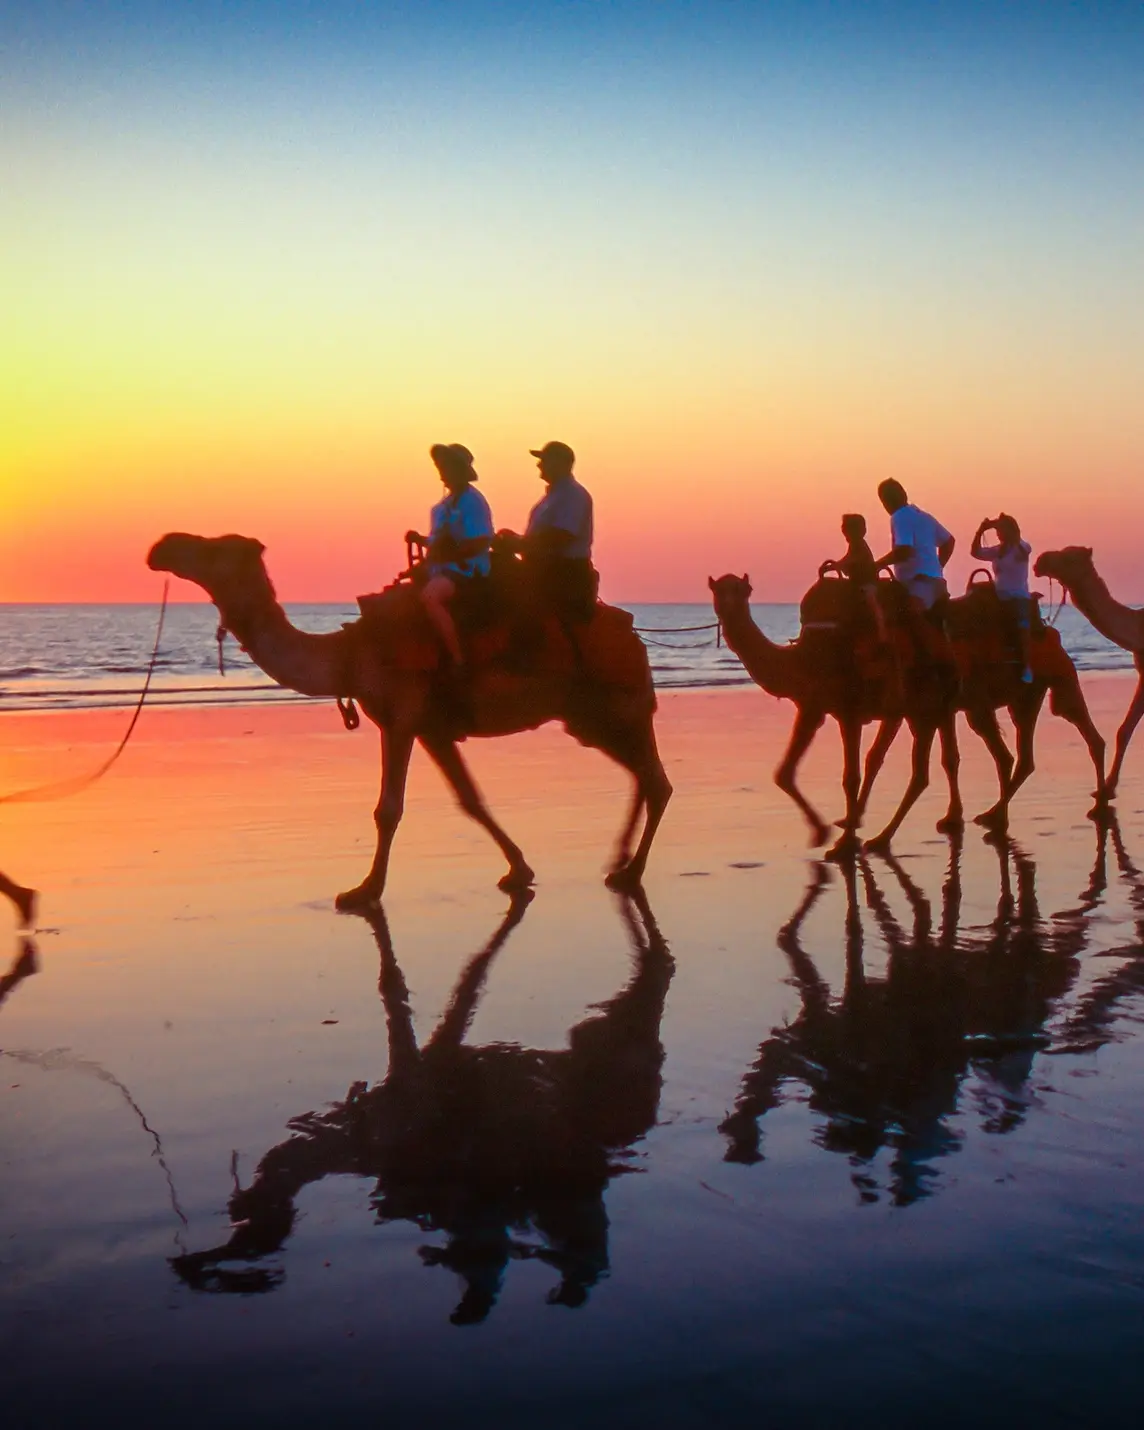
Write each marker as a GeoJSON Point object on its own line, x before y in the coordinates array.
{"type": "Point", "coordinates": [454, 454]}
{"type": "Point", "coordinates": [560, 450]}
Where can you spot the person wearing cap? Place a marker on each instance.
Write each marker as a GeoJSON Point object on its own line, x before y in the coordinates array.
{"type": "Point", "coordinates": [557, 543]}
{"type": "Point", "coordinates": [460, 531]}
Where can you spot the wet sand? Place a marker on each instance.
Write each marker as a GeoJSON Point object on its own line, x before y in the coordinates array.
{"type": "Point", "coordinates": [846, 1149]}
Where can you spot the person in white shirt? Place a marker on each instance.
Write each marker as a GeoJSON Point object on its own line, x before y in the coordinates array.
{"type": "Point", "coordinates": [921, 550]}
{"type": "Point", "coordinates": [460, 531]}
{"type": "Point", "coordinates": [1010, 562]}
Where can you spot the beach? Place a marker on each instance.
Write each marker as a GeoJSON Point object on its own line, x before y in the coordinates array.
{"type": "Point", "coordinates": [850, 1146]}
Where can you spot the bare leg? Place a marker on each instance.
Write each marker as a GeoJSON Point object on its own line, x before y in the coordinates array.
{"type": "Point", "coordinates": [435, 597]}
{"type": "Point", "coordinates": [919, 778]}
{"type": "Point", "coordinates": [807, 724]}
{"type": "Point", "coordinates": [448, 759]}
{"type": "Point", "coordinates": [1127, 730]}
{"type": "Point", "coordinates": [983, 721]}
{"type": "Point", "coordinates": [396, 749]}
{"type": "Point", "coordinates": [1067, 701]}
{"type": "Point", "coordinates": [24, 900]}
{"type": "Point", "coordinates": [954, 819]}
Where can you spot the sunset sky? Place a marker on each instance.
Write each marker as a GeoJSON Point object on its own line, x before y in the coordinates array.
{"type": "Point", "coordinates": [746, 258]}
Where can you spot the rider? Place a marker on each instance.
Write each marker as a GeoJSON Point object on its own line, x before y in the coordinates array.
{"type": "Point", "coordinates": [1010, 562]}
{"type": "Point", "coordinates": [859, 567]}
{"type": "Point", "coordinates": [921, 550]}
{"type": "Point", "coordinates": [557, 543]}
{"type": "Point", "coordinates": [460, 530]}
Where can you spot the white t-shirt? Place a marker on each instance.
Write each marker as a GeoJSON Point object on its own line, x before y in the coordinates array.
{"type": "Point", "coordinates": [462, 515]}
{"type": "Point", "coordinates": [910, 526]}
{"type": "Point", "coordinates": [567, 506]}
{"type": "Point", "coordinates": [1010, 567]}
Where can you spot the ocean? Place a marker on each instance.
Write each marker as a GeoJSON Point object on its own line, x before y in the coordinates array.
{"type": "Point", "coordinates": [60, 657]}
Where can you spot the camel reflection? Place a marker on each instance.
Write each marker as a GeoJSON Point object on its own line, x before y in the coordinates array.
{"type": "Point", "coordinates": [884, 1064]}
{"type": "Point", "coordinates": [506, 1151]}
{"type": "Point", "coordinates": [27, 961]}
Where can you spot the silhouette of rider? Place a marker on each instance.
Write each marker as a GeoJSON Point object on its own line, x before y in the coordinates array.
{"type": "Point", "coordinates": [1010, 562]}
{"type": "Point", "coordinates": [557, 543]}
{"type": "Point", "coordinates": [460, 530]}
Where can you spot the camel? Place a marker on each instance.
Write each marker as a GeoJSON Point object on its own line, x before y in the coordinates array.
{"type": "Point", "coordinates": [810, 672]}
{"type": "Point", "coordinates": [1073, 567]}
{"type": "Point", "coordinates": [408, 708]}
{"type": "Point", "coordinates": [483, 1144]}
{"type": "Point", "coordinates": [817, 673]}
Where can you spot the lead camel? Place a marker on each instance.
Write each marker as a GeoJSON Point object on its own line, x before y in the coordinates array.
{"type": "Point", "coordinates": [406, 706]}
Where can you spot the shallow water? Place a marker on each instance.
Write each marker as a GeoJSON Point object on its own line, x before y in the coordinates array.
{"type": "Point", "coordinates": [846, 1148]}
{"type": "Point", "coordinates": [79, 657]}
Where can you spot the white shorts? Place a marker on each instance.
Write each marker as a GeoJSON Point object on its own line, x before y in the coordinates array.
{"type": "Point", "coordinates": [927, 590]}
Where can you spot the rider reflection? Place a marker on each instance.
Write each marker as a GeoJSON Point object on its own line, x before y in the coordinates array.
{"type": "Point", "coordinates": [506, 1151]}
{"type": "Point", "coordinates": [885, 1062]}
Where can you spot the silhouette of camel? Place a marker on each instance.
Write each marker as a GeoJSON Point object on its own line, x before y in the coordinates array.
{"type": "Point", "coordinates": [1074, 568]}
{"type": "Point", "coordinates": [482, 1144]}
{"type": "Point", "coordinates": [408, 708]}
{"type": "Point", "coordinates": [818, 672]}
{"type": "Point", "coordinates": [885, 1062]}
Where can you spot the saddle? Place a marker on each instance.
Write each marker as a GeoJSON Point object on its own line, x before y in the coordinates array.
{"type": "Point", "coordinates": [983, 631]}
{"type": "Point", "coordinates": [603, 649]}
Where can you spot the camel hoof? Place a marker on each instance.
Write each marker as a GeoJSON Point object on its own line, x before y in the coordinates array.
{"type": "Point", "coordinates": [363, 897]}
{"type": "Point", "coordinates": [819, 835]}
{"type": "Point", "coordinates": [517, 880]}
{"type": "Point", "coordinates": [951, 824]}
{"type": "Point", "coordinates": [1102, 809]}
{"type": "Point", "coordinates": [879, 844]}
{"type": "Point", "coordinates": [624, 880]}
{"type": "Point", "coordinates": [844, 848]}
{"type": "Point", "coordinates": [996, 819]}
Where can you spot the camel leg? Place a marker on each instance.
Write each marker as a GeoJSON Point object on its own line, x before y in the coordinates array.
{"type": "Point", "coordinates": [954, 819]}
{"type": "Point", "coordinates": [983, 722]}
{"type": "Point", "coordinates": [919, 778]}
{"type": "Point", "coordinates": [623, 855]}
{"type": "Point", "coordinates": [448, 759]}
{"type": "Point", "coordinates": [851, 731]}
{"type": "Point", "coordinates": [1124, 734]}
{"type": "Point", "coordinates": [396, 749]}
{"type": "Point", "coordinates": [807, 724]}
{"type": "Point", "coordinates": [24, 900]}
{"type": "Point", "coordinates": [875, 759]}
{"type": "Point", "coordinates": [1067, 701]}
{"type": "Point", "coordinates": [653, 790]}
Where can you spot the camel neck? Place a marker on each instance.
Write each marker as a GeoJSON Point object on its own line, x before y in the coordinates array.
{"type": "Point", "coordinates": [1118, 623]}
{"type": "Point", "coordinates": [310, 664]}
{"type": "Point", "coordinates": [768, 664]}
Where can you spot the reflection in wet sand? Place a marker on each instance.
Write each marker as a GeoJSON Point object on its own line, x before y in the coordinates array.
{"type": "Point", "coordinates": [884, 1063]}
{"type": "Point", "coordinates": [506, 1151]}
{"type": "Point", "coordinates": [27, 960]}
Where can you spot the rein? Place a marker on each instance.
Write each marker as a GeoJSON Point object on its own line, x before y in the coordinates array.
{"type": "Point", "coordinates": [61, 789]}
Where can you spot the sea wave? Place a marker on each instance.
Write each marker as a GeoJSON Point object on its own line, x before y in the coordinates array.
{"type": "Point", "coordinates": [77, 657]}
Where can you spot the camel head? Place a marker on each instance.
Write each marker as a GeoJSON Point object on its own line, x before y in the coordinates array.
{"type": "Point", "coordinates": [730, 594]}
{"type": "Point", "coordinates": [228, 568]}
{"type": "Point", "coordinates": [1068, 566]}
